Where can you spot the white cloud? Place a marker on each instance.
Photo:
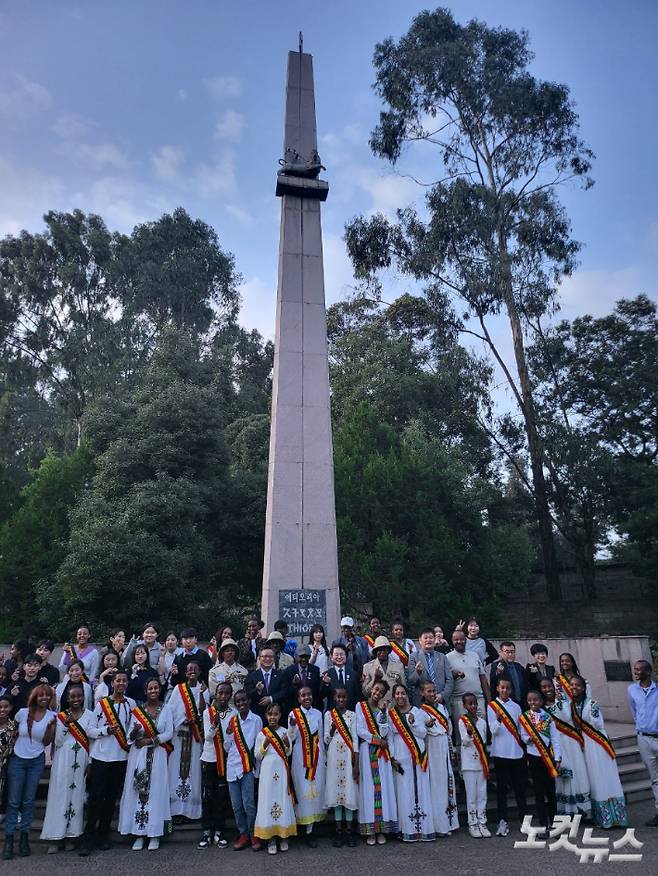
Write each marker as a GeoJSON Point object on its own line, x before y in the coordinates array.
{"type": "Point", "coordinates": [222, 87]}
{"type": "Point", "coordinates": [230, 126]}
{"type": "Point", "coordinates": [98, 156]}
{"type": "Point", "coordinates": [124, 203]}
{"type": "Point", "coordinates": [70, 126]}
{"type": "Point", "coordinates": [258, 306]}
{"type": "Point", "coordinates": [26, 195]}
{"type": "Point", "coordinates": [181, 95]}
{"type": "Point", "coordinates": [217, 177]}
{"type": "Point", "coordinates": [167, 163]}
{"type": "Point", "coordinates": [338, 275]}
{"type": "Point", "coordinates": [596, 292]}
{"type": "Point", "coordinates": [243, 216]}
{"type": "Point", "coordinates": [23, 97]}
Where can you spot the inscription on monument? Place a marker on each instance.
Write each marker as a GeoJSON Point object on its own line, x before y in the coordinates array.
{"type": "Point", "coordinates": [300, 609]}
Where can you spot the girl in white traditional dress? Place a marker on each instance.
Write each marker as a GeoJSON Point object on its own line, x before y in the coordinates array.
{"type": "Point", "coordinates": [275, 814]}
{"type": "Point", "coordinates": [409, 758]}
{"type": "Point", "coordinates": [608, 802]}
{"type": "Point", "coordinates": [63, 820]}
{"type": "Point", "coordinates": [187, 703]}
{"type": "Point", "coordinates": [74, 675]}
{"type": "Point", "coordinates": [144, 809]}
{"type": "Point", "coordinates": [308, 762]}
{"type": "Point", "coordinates": [341, 792]}
{"type": "Point", "coordinates": [440, 757]}
{"type": "Point", "coordinates": [378, 812]}
{"type": "Point", "coordinates": [572, 789]}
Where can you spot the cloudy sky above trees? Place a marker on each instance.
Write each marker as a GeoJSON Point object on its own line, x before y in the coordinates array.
{"type": "Point", "coordinates": [131, 109]}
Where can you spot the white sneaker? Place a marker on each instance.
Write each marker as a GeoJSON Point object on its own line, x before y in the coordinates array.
{"type": "Point", "coordinates": [271, 847]}
{"type": "Point", "coordinates": [220, 841]}
{"type": "Point", "coordinates": [503, 828]}
{"type": "Point", "coordinates": [484, 830]}
{"type": "Point", "coordinates": [283, 845]}
{"type": "Point", "coordinates": [154, 844]}
{"type": "Point", "coordinates": [474, 830]}
{"type": "Point", "coordinates": [138, 845]}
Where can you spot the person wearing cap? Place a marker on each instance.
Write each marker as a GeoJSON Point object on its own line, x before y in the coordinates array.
{"type": "Point", "coordinates": [227, 669]}
{"type": "Point", "coordinates": [302, 674]}
{"type": "Point", "coordinates": [358, 651]}
{"type": "Point", "coordinates": [290, 646]}
{"type": "Point", "coordinates": [276, 642]}
{"type": "Point", "coordinates": [381, 667]}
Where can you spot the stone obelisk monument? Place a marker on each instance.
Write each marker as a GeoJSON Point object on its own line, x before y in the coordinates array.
{"type": "Point", "coordinates": [300, 577]}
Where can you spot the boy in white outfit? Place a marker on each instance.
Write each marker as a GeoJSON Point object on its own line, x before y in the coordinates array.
{"type": "Point", "coordinates": [475, 766]}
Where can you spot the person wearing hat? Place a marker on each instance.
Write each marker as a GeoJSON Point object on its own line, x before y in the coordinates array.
{"type": "Point", "coordinates": [227, 669]}
{"type": "Point", "coordinates": [381, 667]}
{"type": "Point", "coordinates": [358, 651]}
{"type": "Point", "coordinates": [249, 646]}
{"type": "Point", "coordinates": [276, 642]}
{"type": "Point", "coordinates": [302, 674]}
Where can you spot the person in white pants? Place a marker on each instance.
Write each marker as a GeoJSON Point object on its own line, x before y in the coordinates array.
{"type": "Point", "coordinates": [475, 766]}
{"type": "Point", "coordinates": [643, 702]}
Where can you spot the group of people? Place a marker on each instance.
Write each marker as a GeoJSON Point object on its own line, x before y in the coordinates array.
{"type": "Point", "coordinates": [374, 728]}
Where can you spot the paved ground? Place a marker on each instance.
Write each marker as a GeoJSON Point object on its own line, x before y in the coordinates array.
{"type": "Point", "coordinates": [459, 853]}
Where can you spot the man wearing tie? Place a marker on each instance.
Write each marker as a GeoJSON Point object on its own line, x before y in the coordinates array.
{"type": "Point", "coordinates": [267, 685]}
{"type": "Point", "coordinates": [302, 674]}
{"type": "Point", "coordinates": [429, 665]}
{"type": "Point", "coordinates": [339, 675]}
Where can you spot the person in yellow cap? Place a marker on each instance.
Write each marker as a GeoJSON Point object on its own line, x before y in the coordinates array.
{"type": "Point", "coordinates": [276, 642]}
{"type": "Point", "coordinates": [381, 667]}
{"type": "Point", "coordinates": [227, 669]}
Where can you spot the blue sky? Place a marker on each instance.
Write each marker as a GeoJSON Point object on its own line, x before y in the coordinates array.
{"type": "Point", "coordinates": [131, 108]}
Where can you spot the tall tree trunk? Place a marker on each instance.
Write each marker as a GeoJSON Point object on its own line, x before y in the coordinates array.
{"type": "Point", "coordinates": [553, 587]}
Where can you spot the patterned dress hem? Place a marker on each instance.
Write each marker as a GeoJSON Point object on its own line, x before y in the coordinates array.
{"type": "Point", "coordinates": [268, 833]}
{"type": "Point", "coordinates": [610, 813]}
{"type": "Point", "coordinates": [370, 828]}
{"type": "Point", "coordinates": [311, 819]}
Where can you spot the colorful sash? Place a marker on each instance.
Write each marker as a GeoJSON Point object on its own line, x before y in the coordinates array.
{"type": "Point", "coordinates": [191, 711]}
{"type": "Point", "coordinates": [588, 730]}
{"type": "Point", "coordinates": [218, 742]}
{"type": "Point", "coordinates": [567, 730]}
{"type": "Point", "coordinates": [563, 681]}
{"type": "Point", "coordinates": [438, 717]}
{"type": "Point", "coordinates": [508, 722]}
{"type": "Point", "coordinates": [341, 725]}
{"type": "Point", "coordinates": [112, 720]}
{"type": "Point", "coordinates": [310, 744]}
{"type": "Point", "coordinates": [478, 741]}
{"type": "Point", "coordinates": [400, 652]}
{"type": "Point", "coordinates": [370, 640]}
{"type": "Point", "coordinates": [246, 754]}
{"type": "Point", "coordinates": [150, 728]}
{"type": "Point", "coordinates": [278, 746]}
{"type": "Point", "coordinates": [76, 731]}
{"type": "Point", "coordinates": [545, 749]}
{"type": "Point", "coordinates": [373, 728]}
{"type": "Point", "coordinates": [418, 755]}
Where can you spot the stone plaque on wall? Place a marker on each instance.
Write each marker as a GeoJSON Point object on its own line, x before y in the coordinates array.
{"type": "Point", "coordinates": [618, 670]}
{"type": "Point", "coordinates": [301, 609]}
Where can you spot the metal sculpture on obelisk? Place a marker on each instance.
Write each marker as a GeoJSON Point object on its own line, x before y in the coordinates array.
{"type": "Point", "coordinates": [300, 576]}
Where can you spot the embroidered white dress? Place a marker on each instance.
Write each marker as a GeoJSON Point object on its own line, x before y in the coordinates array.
{"type": "Point", "coordinates": [412, 787]}
{"type": "Point", "coordinates": [378, 811]}
{"type": "Point", "coordinates": [442, 777]}
{"type": "Point", "coordinates": [310, 794]}
{"type": "Point", "coordinates": [185, 759]}
{"type": "Point", "coordinates": [572, 789]}
{"type": "Point", "coordinates": [608, 801]}
{"type": "Point", "coordinates": [145, 807]}
{"type": "Point", "coordinates": [340, 788]}
{"type": "Point", "coordinates": [275, 815]}
{"type": "Point", "coordinates": [66, 790]}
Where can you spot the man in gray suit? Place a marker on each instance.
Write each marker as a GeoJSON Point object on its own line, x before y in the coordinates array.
{"type": "Point", "coordinates": [429, 665]}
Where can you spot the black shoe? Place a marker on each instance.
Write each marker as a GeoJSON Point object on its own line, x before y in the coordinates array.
{"type": "Point", "coordinates": [104, 844]}
{"type": "Point", "coordinates": [85, 849]}
{"type": "Point", "coordinates": [652, 822]}
{"type": "Point", "coordinates": [24, 845]}
{"type": "Point", "coordinates": [352, 840]}
{"type": "Point", "coordinates": [8, 850]}
{"type": "Point", "coordinates": [311, 841]}
{"type": "Point", "coordinates": [338, 840]}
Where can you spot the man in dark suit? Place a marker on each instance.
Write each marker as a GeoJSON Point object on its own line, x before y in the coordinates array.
{"type": "Point", "coordinates": [507, 667]}
{"type": "Point", "coordinates": [267, 685]}
{"type": "Point", "coordinates": [302, 674]}
{"type": "Point", "coordinates": [429, 665]}
{"type": "Point", "coordinates": [340, 675]}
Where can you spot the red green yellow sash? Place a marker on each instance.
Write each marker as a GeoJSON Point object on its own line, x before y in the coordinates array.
{"type": "Point", "coordinates": [507, 721]}
{"type": "Point", "coordinates": [418, 755]}
{"type": "Point", "coordinates": [438, 717]}
{"type": "Point", "coordinates": [600, 738]}
{"type": "Point", "coordinates": [191, 711]}
{"type": "Point", "coordinates": [373, 727]}
{"type": "Point", "coordinates": [246, 754]}
{"type": "Point", "coordinates": [341, 725]}
{"type": "Point", "coordinates": [218, 742]}
{"type": "Point", "coordinates": [310, 744]}
{"type": "Point", "coordinates": [112, 720]}
{"type": "Point", "coordinates": [370, 640]}
{"type": "Point", "coordinates": [278, 746]}
{"type": "Point", "coordinates": [150, 728]}
{"type": "Point", "coordinates": [478, 742]}
{"type": "Point", "coordinates": [563, 681]}
{"type": "Point", "coordinates": [76, 731]}
{"type": "Point", "coordinates": [545, 749]}
{"type": "Point", "coordinates": [400, 652]}
{"type": "Point", "coordinates": [567, 730]}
